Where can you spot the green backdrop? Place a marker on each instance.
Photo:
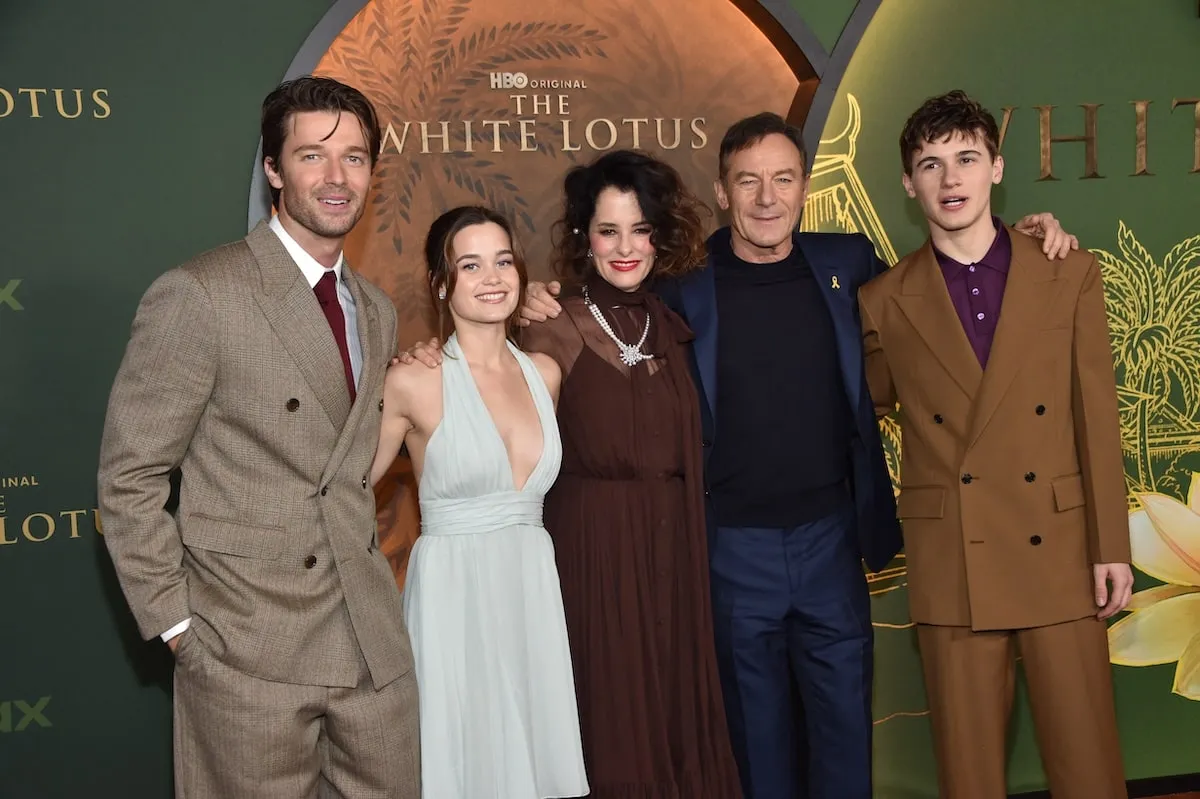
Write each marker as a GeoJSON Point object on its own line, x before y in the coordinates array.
{"type": "Point", "coordinates": [154, 168]}
{"type": "Point", "coordinates": [93, 210]}
{"type": "Point", "coordinates": [1019, 55]}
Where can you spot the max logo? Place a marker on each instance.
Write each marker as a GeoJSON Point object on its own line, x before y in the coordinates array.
{"type": "Point", "coordinates": [8, 295]}
{"type": "Point", "coordinates": [29, 714]}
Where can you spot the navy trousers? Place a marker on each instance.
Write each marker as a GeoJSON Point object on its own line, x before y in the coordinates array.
{"type": "Point", "coordinates": [795, 652]}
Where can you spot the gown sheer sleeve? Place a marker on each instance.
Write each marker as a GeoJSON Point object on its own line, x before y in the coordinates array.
{"type": "Point", "coordinates": [559, 338]}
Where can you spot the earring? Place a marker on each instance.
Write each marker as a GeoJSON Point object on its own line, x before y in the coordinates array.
{"type": "Point", "coordinates": [590, 253]}
{"type": "Point", "coordinates": [442, 293]}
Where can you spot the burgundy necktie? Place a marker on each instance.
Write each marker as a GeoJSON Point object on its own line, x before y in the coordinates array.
{"type": "Point", "coordinates": [326, 290]}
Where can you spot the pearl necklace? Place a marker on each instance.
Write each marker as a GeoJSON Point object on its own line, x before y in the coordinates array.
{"type": "Point", "coordinates": [631, 354]}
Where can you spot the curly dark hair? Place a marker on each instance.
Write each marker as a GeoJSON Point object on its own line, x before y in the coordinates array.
{"type": "Point", "coordinates": [941, 117]}
{"type": "Point", "coordinates": [674, 213]}
{"type": "Point", "coordinates": [439, 258]}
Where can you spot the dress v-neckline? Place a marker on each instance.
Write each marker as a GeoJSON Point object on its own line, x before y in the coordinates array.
{"type": "Point", "coordinates": [512, 478]}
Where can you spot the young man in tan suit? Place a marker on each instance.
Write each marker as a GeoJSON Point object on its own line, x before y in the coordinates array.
{"type": "Point", "coordinates": [257, 368]}
{"type": "Point", "coordinates": [1013, 498]}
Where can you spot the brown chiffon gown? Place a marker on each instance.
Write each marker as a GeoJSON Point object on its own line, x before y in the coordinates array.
{"type": "Point", "coordinates": [627, 519]}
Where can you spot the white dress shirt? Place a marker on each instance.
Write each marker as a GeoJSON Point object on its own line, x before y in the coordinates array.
{"type": "Point", "coordinates": [313, 272]}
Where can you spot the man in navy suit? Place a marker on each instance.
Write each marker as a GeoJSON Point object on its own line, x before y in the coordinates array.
{"type": "Point", "coordinates": [798, 490]}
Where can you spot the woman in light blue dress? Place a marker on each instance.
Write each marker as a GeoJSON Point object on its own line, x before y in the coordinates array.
{"type": "Point", "coordinates": [481, 599]}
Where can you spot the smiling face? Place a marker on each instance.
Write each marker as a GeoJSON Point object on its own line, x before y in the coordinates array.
{"type": "Point", "coordinates": [487, 284]}
{"type": "Point", "coordinates": [952, 179]}
{"type": "Point", "coordinates": [323, 173]}
{"type": "Point", "coordinates": [764, 189]}
{"type": "Point", "coordinates": [619, 237]}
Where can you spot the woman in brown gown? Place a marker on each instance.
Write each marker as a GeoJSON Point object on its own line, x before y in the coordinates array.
{"type": "Point", "coordinates": [626, 514]}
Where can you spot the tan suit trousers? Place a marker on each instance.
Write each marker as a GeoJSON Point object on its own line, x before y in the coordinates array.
{"type": "Point", "coordinates": [970, 679]}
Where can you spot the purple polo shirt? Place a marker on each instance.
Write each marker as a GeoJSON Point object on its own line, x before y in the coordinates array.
{"type": "Point", "coordinates": [978, 289]}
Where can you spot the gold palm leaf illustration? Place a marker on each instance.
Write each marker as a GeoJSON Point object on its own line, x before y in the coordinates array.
{"type": "Point", "coordinates": [417, 64]}
{"type": "Point", "coordinates": [1154, 322]}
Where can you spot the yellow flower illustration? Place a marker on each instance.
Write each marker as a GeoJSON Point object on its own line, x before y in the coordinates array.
{"type": "Point", "coordinates": [1164, 626]}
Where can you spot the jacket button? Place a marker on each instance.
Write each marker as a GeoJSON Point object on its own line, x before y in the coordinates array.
{"type": "Point", "coordinates": [1030, 477]}
{"type": "Point", "coordinates": [381, 405]}
{"type": "Point", "coordinates": [324, 490]}
{"type": "Point", "coordinates": [364, 482]}
{"type": "Point", "coordinates": [1035, 539]}
{"type": "Point", "coordinates": [310, 561]}
{"type": "Point", "coordinates": [293, 405]}
{"type": "Point", "coordinates": [705, 442]}
{"type": "Point", "coordinates": [1040, 410]}
{"type": "Point", "coordinates": [937, 418]}
{"type": "Point", "coordinates": [966, 478]}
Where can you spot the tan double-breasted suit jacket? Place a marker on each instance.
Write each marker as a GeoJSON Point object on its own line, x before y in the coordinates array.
{"type": "Point", "coordinates": [1012, 480]}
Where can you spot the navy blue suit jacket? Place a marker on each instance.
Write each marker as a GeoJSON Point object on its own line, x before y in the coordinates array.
{"type": "Point", "coordinates": [849, 261]}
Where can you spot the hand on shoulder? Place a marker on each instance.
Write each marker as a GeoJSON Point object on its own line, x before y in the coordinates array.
{"type": "Point", "coordinates": [540, 304]}
{"type": "Point", "coordinates": [426, 352]}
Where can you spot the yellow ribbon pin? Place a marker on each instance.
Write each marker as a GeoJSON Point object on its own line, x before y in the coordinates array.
{"type": "Point", "coordinates": [836, 285]}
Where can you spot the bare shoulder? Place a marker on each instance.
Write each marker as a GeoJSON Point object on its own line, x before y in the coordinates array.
{"type": "Point", "coordinates": [406, 382]}
{"type": "Point", "coordinates": [548, 368]}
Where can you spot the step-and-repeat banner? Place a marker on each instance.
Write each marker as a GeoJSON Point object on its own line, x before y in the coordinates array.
{"type": "Point", "coordinates": [129, 136]}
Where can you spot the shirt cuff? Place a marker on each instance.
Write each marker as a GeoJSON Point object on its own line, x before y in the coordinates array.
{"type": "Point", "coordinates": [177, 629]}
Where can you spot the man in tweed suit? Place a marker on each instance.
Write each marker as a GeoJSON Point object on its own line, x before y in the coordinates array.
{"type": "Point", "coordinates": [257, 369]}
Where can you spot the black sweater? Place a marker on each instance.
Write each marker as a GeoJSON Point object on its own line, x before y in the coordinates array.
{"type": "Point", "coordinates": [781, 456]}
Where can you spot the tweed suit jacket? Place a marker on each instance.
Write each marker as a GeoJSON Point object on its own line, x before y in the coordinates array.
{"type": "Point", "coordinates": [1012, 477]}
{"type": "Point", "coordinates": [233, 375]}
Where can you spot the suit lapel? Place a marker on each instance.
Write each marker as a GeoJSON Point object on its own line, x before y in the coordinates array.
{"type": "Point", "coordinates": [699, 296]}
{"type": "Point", "coordinates": [372, 364]}
{"type": "Point", "coordinates": [1028, 293]}
{"type": "Point", "coordinates": [840, 302]}
{"type": "Point", "coordinates": [368, 331]}
{"type": "Point", "coordinates": [926, 304]}
{"type": "Point", "coordinates": [291, 308]}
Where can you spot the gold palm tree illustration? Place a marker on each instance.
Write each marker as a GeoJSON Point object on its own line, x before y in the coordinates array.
{"type": "Point", "coordinates": [423, 62]}
{"type": "Point", "coordinates": [1154, 321]}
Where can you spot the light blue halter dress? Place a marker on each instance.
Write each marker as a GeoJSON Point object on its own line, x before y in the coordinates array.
{"type": "Point", "coordinates": [484, 610]}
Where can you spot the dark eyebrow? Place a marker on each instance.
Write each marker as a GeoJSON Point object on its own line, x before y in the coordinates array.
{"type": "Point", "coordinates": [321, 148]}
{"type": "Point", "coordinates": [473, 256]}
{"type": "Point", "coordinates": [744, 174]}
